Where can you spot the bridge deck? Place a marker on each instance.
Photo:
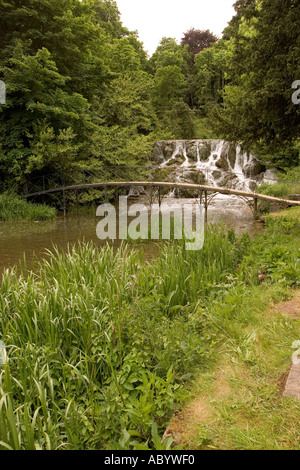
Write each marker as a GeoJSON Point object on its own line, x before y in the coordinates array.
{"type": "Point", "coordinates": [163, 184]}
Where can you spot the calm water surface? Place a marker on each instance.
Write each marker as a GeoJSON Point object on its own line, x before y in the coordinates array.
{"type": "Point", "coordinates": [33, 239]}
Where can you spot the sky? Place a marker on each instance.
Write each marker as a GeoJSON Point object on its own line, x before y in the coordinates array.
{"type": "Point", "coordinates": [154, 19]}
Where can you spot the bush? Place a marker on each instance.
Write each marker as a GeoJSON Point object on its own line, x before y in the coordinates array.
{"type": "Point", "coordinates": [288, 184]}
{"type": "Point", "coordinates": [12, 207]}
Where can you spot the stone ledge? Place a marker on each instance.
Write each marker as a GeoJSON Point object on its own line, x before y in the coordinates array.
{"type": "Point", "coordinates": [292, 387]}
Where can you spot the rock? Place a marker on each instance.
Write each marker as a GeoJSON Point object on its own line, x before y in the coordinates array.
{"type": "Point", "coordinates": [136, 191]}
{"type": "Point", "coordinates": [158, 153]}
{"type": "Point", "coordinates": [215, 157]}
{"type": "Point", "coordinates": [294, 197]}
{"type": "Point", "coordinates": [228, 154]}
{"type": "Point", "coordinates": [228, 180]}
{"type": "Point", "coordinates": [232, 154]}
{"type": "Point", "coordinates": [168, 149]}
{"type": "Point", "coordinates": [204, 150]}
{"type": "Point", "coordinates": [270, 176]}
{"type": "Point", "coordinates": [253, 168]}
{"type": "Point", "coordinates": [252, 186]}
{"type": "Point", "coordinates": [164, 150]}
{"type": "Point", "coordinates": [223, 163]}
{"type": "Point", "coordinates": [217, 174]}
{"type": "Point", "coordinates": [196, 176]}
{"type": "Point", "coordinates": [191, 150]}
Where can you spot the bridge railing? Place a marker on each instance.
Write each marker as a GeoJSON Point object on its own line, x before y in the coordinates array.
{"type": "Point", "coordinates": [107, 173]}
{"type": "Point", "coordinates": [125, 173]}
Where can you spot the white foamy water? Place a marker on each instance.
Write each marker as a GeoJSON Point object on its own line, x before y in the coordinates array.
{"type": "Point", "coordinates": [214, 162]}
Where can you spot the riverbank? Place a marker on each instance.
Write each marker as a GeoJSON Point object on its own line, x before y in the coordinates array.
{"type": "Point", "coordinates": [103, 347]}
{"type": "Point", "coordinates": [239, 403]}
{"type": "Point", "coordinates": [12, 207]}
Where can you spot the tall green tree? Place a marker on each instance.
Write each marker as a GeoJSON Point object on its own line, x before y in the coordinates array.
{"type": "Point", "coordinates": [74, 75]}
{"type": "Point", "coordinates": [265, 62]}
{"type": "Point", "coordinates": [210, 72]}
{"type": "Point", "coordinates": [39, 105]}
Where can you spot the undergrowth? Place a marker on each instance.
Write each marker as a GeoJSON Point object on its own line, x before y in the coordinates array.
{"type": "Point", "coordinates": [102, 346]}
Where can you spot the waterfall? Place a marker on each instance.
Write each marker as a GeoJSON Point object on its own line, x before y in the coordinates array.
{"type": "Point", "coordinates": [213, 162]}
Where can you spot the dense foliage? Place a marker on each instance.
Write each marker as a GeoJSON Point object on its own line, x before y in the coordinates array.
{"type": "Point", "coordinates": [82, 93]}
{"type": "Point", "coordinates": [12, 207]}
{"type": "Point", "coordinates": [263, 62]}
{"type": "Point", "coordinates": [78, 94]}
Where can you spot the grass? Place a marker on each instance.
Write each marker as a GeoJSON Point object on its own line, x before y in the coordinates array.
{"type": "Point", "coordinates": [242, 394]}
{"type": "Point", "coordinates": [293, 212]}
{"type": "Point", "coordinates": [12, 207]}
{"type": "Point", "coordinates": [103, 347]}
{"type": "Point", "coordinates": [237, 404]}
{"type": "Point", "coordinates": [287, 185]}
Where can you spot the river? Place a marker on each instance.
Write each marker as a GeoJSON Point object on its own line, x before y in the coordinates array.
{"type": "Point", "coordinates": [33, 239]}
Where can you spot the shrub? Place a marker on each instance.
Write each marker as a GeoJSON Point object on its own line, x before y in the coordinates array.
{"type": "Point", "coordinates": [12, 207]}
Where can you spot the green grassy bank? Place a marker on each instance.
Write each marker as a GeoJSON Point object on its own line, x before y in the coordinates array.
{"type": "Point", "coordinates": [13, 207]}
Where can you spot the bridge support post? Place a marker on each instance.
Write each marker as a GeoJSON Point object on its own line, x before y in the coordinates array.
{"type": "Point", "coordinates": [255, 212]}
{"type": "Point", "coordinates": [205, 208]}
{"type": "Point", "coordinates": [64, 203]}
{"type": "Point", "coordinates": [151, 198]}
{"type": "Point", "coordinates": [77, 201]}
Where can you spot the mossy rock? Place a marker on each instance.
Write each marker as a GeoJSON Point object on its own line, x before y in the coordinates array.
{"type": "Point", "coordinates": [217, 174]}
{"type": "Point", "coordinates": [253, 169]}
{"type": "Point", "coordinates": [192, 150]}
{"type": "Point", "coordinates": [196, 177]}
{"type": "Point", "coordinates": [162, 174]}
{"type": "Point", "coordinates": [158, 153]}
{"type": "Point", "coordinates": [227, 180]}
{"type": "Point", "coordinates": [204, 151]}
{"type": "Point", "coordinates": [231, 155]}
{"type": "Point", "coordinates": [223, 163]}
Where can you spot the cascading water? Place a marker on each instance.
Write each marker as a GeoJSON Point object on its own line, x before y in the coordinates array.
{"type": "Point", "coordinates": [213, 162]}
{"type": "Point", "coordinates": [216, 163]}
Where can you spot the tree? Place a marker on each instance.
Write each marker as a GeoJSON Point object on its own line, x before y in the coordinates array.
{"type": "Point", "coordinates": [171, 67]}
{"type": "Point", "coordinates": [167, 53]}
{"type": "Point", "coordinates": [180, 120]}
{"type": "Point", "coordinates": [210, 65]}
{"type": "Point", "coordinates": [127, 102]}
{"type": "Point", "coordinates": [265, 61]}
{"type": "Point", "coordinates": [74, 75]}
{"type": "Point", "coordinates": [198, 40]}
{"type": "Point", "coordinates": [169, 87]}
{"type": "Point", "coordinates": [39, 105]}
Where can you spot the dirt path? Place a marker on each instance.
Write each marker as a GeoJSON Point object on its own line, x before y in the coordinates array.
{"type": "Point", "coordinates": [229, 382]}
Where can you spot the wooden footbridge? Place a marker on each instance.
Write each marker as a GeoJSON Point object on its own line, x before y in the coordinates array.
{"type": "Point", "coordinates": [205, 193]}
